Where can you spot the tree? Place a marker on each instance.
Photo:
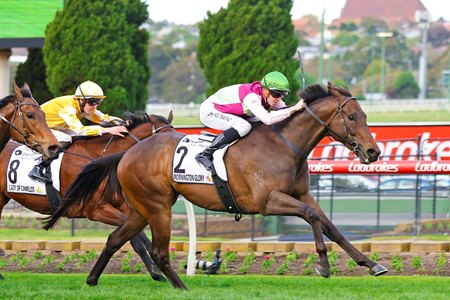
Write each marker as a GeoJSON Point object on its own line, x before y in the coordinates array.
{"type": "Point", "coordinates": [32, 71]}
{"type": "Point", "coordinates": [405, 86]}
{"type": "Point", "coordinates": [100, 41]}
{"type": "Point", "coordinates": [247, 40]}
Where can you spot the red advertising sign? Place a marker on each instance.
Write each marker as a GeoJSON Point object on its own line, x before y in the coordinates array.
{"type": "Point", "coordinates": [379, 167]}
{"type": "Point", "coordinates": [396, 142]}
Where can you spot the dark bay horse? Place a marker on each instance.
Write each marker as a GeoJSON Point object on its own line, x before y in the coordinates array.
{"type": "Point", "coordinates": [79, 153]}
{"type": "Point", "coordinates": [22, 119]}
{"type": "Point", "coordinates": [267, 171]}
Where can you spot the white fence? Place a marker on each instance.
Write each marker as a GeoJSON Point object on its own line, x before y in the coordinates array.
{"type": "Point", "coordinates": [404, 105]}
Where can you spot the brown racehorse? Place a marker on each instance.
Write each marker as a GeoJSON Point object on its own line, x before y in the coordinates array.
{"type": "Point", "coordinates": [267, 172]}
{"type": "Point", "coordinates": [22, 119]}
{"type": "Point", "coordinates": [79, 153]}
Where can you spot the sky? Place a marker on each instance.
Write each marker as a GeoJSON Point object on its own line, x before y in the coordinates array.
{"type": "Point", "coordinates": [192, 11]}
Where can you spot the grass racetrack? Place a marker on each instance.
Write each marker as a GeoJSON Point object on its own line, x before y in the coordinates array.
{"type": "Point", "coordinates": [73, 286]}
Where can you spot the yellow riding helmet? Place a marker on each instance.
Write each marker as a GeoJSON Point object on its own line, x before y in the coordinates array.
{"type": "Point", "coordinates": [89, 89]}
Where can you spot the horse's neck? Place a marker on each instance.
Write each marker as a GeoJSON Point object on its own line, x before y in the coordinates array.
{"type": "Point", "coordinates": [303, 131]}
{"type": "Point", "coordinates": [99, 145]}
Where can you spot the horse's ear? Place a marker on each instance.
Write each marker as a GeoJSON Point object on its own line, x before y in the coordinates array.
{"type": "Point", "coordinates": [332, 90]}
{"type": "Point", "coordinates": [170, 118]}
{"type": "Point", "coordinates": [27, 90]}
{"type": "Point", "coordinates": [18, 92]}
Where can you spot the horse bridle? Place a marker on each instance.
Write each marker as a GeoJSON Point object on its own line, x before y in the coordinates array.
{"type": "Point", "coordinates": [134, 137]}
{"type": "Point", "coordinates": [349, 140]}
{"type": "Point", "coordinates": [25, 135]}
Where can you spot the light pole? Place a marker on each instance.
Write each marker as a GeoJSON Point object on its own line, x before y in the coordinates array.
{"type": "Point", "coordinates": [383, 36]}
{"type": "Point", "coordinates": [423, 18]}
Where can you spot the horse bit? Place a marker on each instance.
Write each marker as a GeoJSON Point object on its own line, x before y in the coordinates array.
{"type": "Point", "coordinates": [11, 124]}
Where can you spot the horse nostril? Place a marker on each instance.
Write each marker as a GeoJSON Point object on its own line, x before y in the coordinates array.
{"type": "Point", "coordinates": [53, 149]}
{"type": "Point", "coordinates": [373, 153]}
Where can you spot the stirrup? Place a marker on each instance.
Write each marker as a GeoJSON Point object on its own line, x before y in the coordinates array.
{"type": "Point", "coordinates": [203, 160]}
{"type": "Point", "coordinates": [37, 174]}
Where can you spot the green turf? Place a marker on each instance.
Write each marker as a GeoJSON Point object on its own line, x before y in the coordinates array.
{"type": "Point", "coordinates": [72, 286]}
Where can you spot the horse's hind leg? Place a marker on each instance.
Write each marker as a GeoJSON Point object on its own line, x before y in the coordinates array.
{"type": "Point", "coordinates": [143, 251]}
{"type": "Point", "coordinates": [161, 230]}
{"type": "Point", "coordinates": [110, 215]}
{"type": "Point", "coordinates": [336, 236]}
{"type": "Point", "coordinates": [116, 240]}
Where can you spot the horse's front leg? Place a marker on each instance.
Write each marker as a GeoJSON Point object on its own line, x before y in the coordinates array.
{"type": "Point", "coordinates": [116, 240]}
{"type": "Point", "coordinates": [336, 236]}
{"type": "Point", "coordinates": [282, 204]}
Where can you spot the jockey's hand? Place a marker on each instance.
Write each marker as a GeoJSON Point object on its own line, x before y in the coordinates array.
{"type": "Point", "coordinates": [116, 130]}
{"type": "Point", "coordinates": [300, 106]}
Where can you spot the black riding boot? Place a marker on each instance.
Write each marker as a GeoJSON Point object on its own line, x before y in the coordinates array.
{"type": "Point", "coordinates": [37, 172]}
{"type": "Point", "coordinates": [205, 158]}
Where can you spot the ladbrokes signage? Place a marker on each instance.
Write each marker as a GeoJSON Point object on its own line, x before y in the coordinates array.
{"type": "Point", "coordinates": [432, 142]}
{"type": "Point", "coordinates": [380, 167]}
{"type": "Point", "coordinates": [396, 142]}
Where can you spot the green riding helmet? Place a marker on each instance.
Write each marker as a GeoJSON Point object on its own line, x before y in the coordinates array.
{"type": "Point", "coordinates": [275, 81]}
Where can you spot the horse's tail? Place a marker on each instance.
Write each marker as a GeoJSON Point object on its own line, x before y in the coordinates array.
{"type": "Point", "coordinates": [86, 184]}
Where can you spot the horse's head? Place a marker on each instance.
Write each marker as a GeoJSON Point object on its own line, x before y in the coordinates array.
{"type": "Point", "coordinates": [158, 122]}
{"type": "Point", "coordinates": [28, 124]}
{"type": "Point", "coordinates": [349, 126]}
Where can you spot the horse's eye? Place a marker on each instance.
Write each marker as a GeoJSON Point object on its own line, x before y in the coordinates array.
{"type": "Point", "coordinates": [352, 117]}
{"type": "Point", "coordinates": [30, 115]}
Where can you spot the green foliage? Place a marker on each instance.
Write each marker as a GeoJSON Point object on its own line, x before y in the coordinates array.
{"type": "Point", "coordinates": [267, 263]}
{"type": "Point", "coordinates": [397, 263]}
{"type": "Point", "coordinates": [138, 267]}
{"type": "Point", "coordinates": [405, 86]}
{"type": "Point", "coordinates": [417, 263]}
{"type": "Point", "coordinates": [351, 265]}
{"type": "Point", "coordinates": [290, 258]}
{"type": "Point", "coordinates": [440, 261]}
{"type": "Point", "coordinates": [333, 258]}
{"type": "Point", "coordinates": [345, 39]}
{"type": "Point", "coordinates": [102, 42]}
{"type": "Point", "coordinates": [249, 259]}
{"type": "Point", "coordinates": [32, 71]}
{"type": "Point", "coordinates": [125, 263]}
{"type": "Point", "coordinates": [247, 40]}
{"type": "Point", "coordinates": [309, 261]}
{"type": "Point", "coordinates": [375, 256]}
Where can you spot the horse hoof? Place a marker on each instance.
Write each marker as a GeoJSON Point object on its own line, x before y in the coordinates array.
{"type": "Point", "coordinates": [322, 271]}
{"type": "Point", "coordinates": [157, 277]}
{"type": "Point", "coordinates": [377, 270]}
{"type": "Point", "coordinates": [92, 282]}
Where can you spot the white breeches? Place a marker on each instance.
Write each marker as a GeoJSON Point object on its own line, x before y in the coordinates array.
{"type": "Point", "coordinates": [215, 119]}
{"type": "Point", "coordinates": [62, 136]}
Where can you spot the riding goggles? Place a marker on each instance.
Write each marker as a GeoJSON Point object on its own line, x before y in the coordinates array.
{"type": "Point", "coordinates": [93, 101]}
{"type": "Point", "coordinates": [278, 94]}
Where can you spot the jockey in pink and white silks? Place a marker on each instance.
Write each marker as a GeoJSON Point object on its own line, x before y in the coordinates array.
{"type": "Point", "coordinates": [235, 107]}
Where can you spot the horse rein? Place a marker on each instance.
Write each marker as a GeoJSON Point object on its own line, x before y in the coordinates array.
{"type": "Point", "coordinates": [349, 140]}
{"type": "Point", "coordinates": [134, 137]}
{"type": "Point", "coordinates": [25, 135]}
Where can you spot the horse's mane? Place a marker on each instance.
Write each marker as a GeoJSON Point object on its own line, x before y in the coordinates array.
{"type": "Point", "coordinates": [136, 118]}
{"type": "Point", "coordinates": [319, 91]}
{"type": "Point", "coordinates": [6, 100]}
